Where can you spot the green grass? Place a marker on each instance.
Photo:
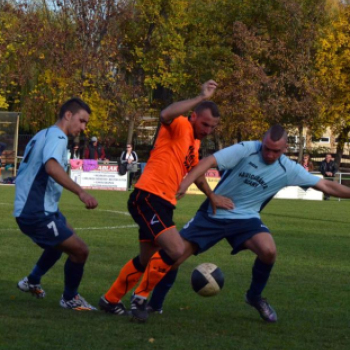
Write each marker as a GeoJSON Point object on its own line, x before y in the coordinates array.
{"type": "Point", "coordinates": [309, 286]}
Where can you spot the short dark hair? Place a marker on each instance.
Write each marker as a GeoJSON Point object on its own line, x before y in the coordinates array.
{"type": "Point", "coordinates": [74, 105]}
{"type": "Point", "coordinates": [208, 105]}
{"type": "Point", "coordinates": [277, 132]}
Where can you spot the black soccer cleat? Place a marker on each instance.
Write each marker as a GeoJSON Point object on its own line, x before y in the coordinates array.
{"type": "Point", "coordinates": [138, 309]}
{"type": "Point", "coordinates": [266, 311]}
{"type": "Point", "coordinates": [151, 310]}
{"type": "Point", "coordinates": [112, 308]}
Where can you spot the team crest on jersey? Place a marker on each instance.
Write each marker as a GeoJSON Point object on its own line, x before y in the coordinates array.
{"type": "Point", "coordinates": [253, 180]}
{"type": "Point", "coordinates": [253, 165]}
{"type": "Point", "coordinates": [190, 158]}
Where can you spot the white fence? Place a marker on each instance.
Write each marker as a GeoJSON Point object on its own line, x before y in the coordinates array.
{"type": "Point", "coordinates": [343, 178]}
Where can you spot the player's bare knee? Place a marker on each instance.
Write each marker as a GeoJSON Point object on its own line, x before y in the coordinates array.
{"type": "Point", "coordinates": [175, 253]}
{"type": "Point", "coordinates": [268, 256]}
{"type": "Point", "coordinates": [190, 249]}
{"type": "Point", "coordinates": [81, 254]}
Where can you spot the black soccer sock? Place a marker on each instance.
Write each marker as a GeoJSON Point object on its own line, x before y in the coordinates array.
{"type": "Point", "coordinates": [73, 273]}
{"type": "Point", "coordinates": [161, 290]}
{"type": "Point", "coordinates": [260, 275]}
{"type": "Point", "coordinates": [48, 259]}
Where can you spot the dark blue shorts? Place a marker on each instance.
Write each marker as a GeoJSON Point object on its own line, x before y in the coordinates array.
{"type": "Point", "coordinates": [47, 232]}
{"type": "Point", "coordinates": [205, 231]}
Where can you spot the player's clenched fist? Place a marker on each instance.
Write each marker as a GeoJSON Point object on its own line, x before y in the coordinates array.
{"type": "Point", "coordinates": [89, 201]}
{"type": "Point", "coordinates": [208, 88]}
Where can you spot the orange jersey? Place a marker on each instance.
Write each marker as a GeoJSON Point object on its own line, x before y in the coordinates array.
{"type": "Point", "coordinates": [174, 155]}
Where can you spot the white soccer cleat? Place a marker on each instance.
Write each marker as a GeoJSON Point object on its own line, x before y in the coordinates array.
{"type": "Point", "coordinates": [34, 289]}
{"type": "Point", "coordinates": [78, 303]}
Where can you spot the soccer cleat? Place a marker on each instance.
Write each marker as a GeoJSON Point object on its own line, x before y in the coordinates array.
{"type": "Point", "coordinates": [150, 310]}
{"type": "Point", "coordinates": [265, 310]}
{"type": "Point", "coordinates": [113, 308]}
{"type": "Point", "coordinates": [78, 303]}
{"type": "Point", "coordinates": [34, 289]}
{"type": "Point", "coordinates": [138, 309]}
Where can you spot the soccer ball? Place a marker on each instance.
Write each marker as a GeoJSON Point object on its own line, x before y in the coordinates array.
{"type": "Point", "coordinates": [207, 279]}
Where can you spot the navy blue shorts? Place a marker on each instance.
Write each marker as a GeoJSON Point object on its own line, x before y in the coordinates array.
{"type": "Point", "coordinates": [153, 214]}
{"type": "Point", "coordinates": [47, 232]}
{"type": "Point", "coordinates": [205, 231]}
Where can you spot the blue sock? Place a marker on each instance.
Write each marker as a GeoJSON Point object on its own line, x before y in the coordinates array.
{"type": "Point", "coordinates": [48, 259]}
{"type": "Point", "coordinates": [162, 289]}
{"type": "Point", "coordinates": [260, 275]}
{"type": "Point", "coordinates": [73, 273]}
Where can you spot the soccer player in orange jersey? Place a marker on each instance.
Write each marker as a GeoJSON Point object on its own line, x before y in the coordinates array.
{"type": "Point", "coordinates": [153, 201]}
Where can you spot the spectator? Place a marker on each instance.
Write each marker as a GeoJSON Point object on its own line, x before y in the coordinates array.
{"type": "Point", "coordinates": [328, 170]}
{"type": "Point", "coordinates": [95, 150]}
{"type": "Point", "coordinates": [307, 163]}
{"type": "Point", "coordinates": [2, 148]}
{"type": "Point", "coordinates": [76, 151]}
{"type": "Point", "coordinates": [129, 157]}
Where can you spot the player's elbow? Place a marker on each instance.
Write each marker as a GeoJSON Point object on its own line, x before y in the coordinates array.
{"type": "Point", "coordinates": [51, 167]}
{"type": "Point", "coordinates": [165, 117]}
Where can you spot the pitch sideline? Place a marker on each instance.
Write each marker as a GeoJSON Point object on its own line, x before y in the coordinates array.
{"type": "Point", "coordinates": [90, 228]}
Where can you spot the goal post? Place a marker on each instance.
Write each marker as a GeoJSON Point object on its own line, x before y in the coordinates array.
{"type": "Point", "coordinates": [9, 124]}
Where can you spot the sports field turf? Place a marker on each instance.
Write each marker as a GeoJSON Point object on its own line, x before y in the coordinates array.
{"type": "Point", "coordinates": [309, 286]}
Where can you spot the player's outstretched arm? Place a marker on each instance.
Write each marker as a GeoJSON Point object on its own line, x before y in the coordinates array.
{"type": "Point", "coordinates": [55, 170]}
{"type": "Point", "coordinates": [203, 185]}
{"type": "Point", "coordinates": [200, 169]}
{"type": "Point", "coordinates": [182, 107]}
{"type": "Point", "coordinates": [333, 188]}
{"type": "Point", "coordinates": [222, 202]}
{"type": "Point", "coordinates": [217, 201]}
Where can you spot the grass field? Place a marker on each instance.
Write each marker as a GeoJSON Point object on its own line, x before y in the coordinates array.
{"type": "Point", "coordinates": [309, 286]}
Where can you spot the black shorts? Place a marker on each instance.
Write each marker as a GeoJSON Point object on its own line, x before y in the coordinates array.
{"type": "Point", "coordinates": [153, 214]}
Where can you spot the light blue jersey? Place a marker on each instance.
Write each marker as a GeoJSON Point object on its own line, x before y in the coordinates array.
{"type": "Point", "coordinates": [250, 182]}
{"type": "Point", "coordinates": [37, 194]}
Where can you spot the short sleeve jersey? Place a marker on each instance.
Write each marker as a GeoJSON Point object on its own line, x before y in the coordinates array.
{"type": "Point", "coordinates": [174, 155]}
{"type": "Point", "coordinates": [38, 194]}
{"type": "Point", "coordinates": [250, 182]}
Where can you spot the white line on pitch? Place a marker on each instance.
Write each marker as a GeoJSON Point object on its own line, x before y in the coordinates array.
{"type": "Point", "coordinates": [116, 211]}
{"type": "Point", "coordinates": [109, 211]}
{"type": "Point", "coordinates": [85, 228]}
{"type": "Point", "coordinates": [106, 228]}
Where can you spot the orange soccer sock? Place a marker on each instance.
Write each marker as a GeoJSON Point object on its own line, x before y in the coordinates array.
{"type": "Point", "coordinates": [158, 266]}
{"type": "Point", "coordinates": [129, 275]}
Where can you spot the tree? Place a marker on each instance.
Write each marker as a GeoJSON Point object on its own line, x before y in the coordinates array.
{"type": "Point", "coordinates": [291, 28]}
{"type": "Point", "coordinates": [333, 62]}
{"type": "Point", "coordinates": [129, 58]}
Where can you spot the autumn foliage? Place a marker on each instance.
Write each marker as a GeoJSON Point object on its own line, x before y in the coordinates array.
{"type": "Point", "coordinates": [275, 61]}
